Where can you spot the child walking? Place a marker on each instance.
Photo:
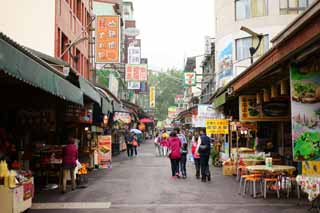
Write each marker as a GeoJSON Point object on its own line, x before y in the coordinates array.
{"type": "Point", "coordinates": [183, 161]}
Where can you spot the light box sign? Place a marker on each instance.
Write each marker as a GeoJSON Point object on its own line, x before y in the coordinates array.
{"type": "Point", "coordinates": [189, 79]}
{"type": "Point", "coordinates": [136, 72]}
{"type": "Point", "coordinates": [217, 127]}
{"type": "Point", "coordinates": [152, 97]}
{"type": "Point", "coordinates": [104, 150]}
{"type": "Point", "coordinates": [108, 39]}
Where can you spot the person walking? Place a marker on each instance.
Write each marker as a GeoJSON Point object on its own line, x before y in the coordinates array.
{"type": "Point", "coordinates": [174, 146]}
{"type": "Point", "coordinates": [157, 146]}
{"type": "Point", "coordinates": [128, 140]}
{"type": "Point", "coordinates": [181, 136]}
{"type": "Point", "coordinates": [69, 163]}
{"type": "Point", "coordinates": [164, 142]}
{"type": "Point", "coordinates": [183, 160]}
{"type": "Point", "coordinates": [196, 155]}
{"type": "Point", "coordinates": [135, 144]}
{"type": "Point", "coordinates": [204, 148]}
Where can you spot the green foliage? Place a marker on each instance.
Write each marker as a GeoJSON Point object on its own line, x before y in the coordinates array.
{"type": "Point", "coordinates": [306, 146]}
{"type": "Point", "coordinates": [167, 86]}
{"type": "Point", "coordinates": [103, 77]}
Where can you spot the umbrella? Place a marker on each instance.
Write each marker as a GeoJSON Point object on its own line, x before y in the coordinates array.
{"type": "Point", "coordinates": [136, 131]}
{"type": "Point", "coordinates": [146, 120]}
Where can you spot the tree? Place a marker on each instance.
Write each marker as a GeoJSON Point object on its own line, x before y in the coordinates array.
{"type": "Point", "coordinates": [168, 85]}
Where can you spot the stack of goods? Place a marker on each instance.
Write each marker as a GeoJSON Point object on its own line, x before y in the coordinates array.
{"type": "Point", "coordinates": [228, 168]}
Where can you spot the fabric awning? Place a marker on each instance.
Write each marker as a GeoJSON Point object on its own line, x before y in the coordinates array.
{"type": "Point", "coordinates": [146, 120]}
{"type": "Point", "coordinates": [106, 106]}
{"type": "Point", "coordinates": [21, 64]}
{"type": "Point", "coordinates": [89, 90]}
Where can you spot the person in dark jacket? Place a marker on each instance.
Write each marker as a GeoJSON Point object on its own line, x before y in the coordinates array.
{"type": "Point", "coordinates": [174, 145]}
{"type": "Point", "coordinates": [69, 163]}
{"type": "Point", "coordinates": [183, 160]}
{"type": "Point", "coordinates": [204, 148]}
{"type": "Point", "coordinates": [129, 140]}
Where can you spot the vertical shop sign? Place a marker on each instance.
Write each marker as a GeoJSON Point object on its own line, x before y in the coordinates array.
{"type": "Point", "coordinates": [225, 63]}
{"type": "Point", "coordinates": [134, 55]}
{"type": "Point", "coordinates": [152, 97]}
{"type": "Point", "coordinates": [305, 109]}
{"type": "Point", "coordinates": [108, 39]}
{"type": "Point", "coordinates": [104, 151]}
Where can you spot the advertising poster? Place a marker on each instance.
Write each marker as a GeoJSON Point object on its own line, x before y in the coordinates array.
{"type": "Point", "coordinates": [123, 117]}
{"type": "Point", "coordinates": [305, 109]}
{"type": "Point", "coordinates": [189, 79]}
{"type": "Point", "coordinates": [225, 64]}
{"type": "Point", "coordinates": [249, 110]}
{"type": "Point", "coordinates": [205, 111]}
{"type": "Point", "coordinates": [108, 39]}
{"type": "Point", "coordinates": [104, 151]}
{"type": "Point", "coordinates": [133, 85]}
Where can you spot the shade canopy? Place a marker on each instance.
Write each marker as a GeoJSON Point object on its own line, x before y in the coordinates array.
{"type": "Point", "coordinates": [146, 120]}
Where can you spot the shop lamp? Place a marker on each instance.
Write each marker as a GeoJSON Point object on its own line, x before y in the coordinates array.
{"type": "Point", "coordinates": [252, 50]}
{"type": "Point", "coordinates": [86, 129]}
{"type": "Point", "coordinates": [245, 132]}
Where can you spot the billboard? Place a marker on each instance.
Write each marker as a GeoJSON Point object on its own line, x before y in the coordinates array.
{"type": "Point", "coordinates": [152, 97]}
{"type": "Point", "coordinates": [136, 72]}
{"type": "Point", "coordinates": [134, 85]}
{"type": "Point", "coordinates": [305, 112]}
{"type": "Point", "coordinates": [108, 39]}
{"type": "Point", "coordinates": [225, 63]}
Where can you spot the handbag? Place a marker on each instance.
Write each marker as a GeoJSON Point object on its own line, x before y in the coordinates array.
{"type": "Point", "coordinates": [134, 143]}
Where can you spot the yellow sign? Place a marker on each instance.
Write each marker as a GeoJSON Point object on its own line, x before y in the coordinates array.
{"type": "Point", "coordinates": [217, 127]}
{"type": "Point", "coordinates": [152, 98]}
{"type": "Point", "coordinates": [310, 167]}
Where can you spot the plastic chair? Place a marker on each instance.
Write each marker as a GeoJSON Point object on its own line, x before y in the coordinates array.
{"type": "Point", "coordinates": [253, 180]}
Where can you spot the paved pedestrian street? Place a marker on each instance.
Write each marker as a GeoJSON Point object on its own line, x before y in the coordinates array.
{"type": "Point", "coordinates": [143, 184]}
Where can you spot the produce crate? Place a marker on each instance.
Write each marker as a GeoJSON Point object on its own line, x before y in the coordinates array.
{"type": "Point", "coordinates": [228, 170]}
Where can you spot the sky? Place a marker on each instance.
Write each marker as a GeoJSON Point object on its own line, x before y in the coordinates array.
{"type": "Point", "coordinates": [172, 30]}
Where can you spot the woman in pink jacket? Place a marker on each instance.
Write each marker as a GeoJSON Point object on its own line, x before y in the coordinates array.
{"type": "Point", "coordinates": [174, 145]}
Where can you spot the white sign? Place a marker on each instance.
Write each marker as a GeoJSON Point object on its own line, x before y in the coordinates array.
{"type": "Point", "coordinates": [134, 55]}
{"type": "Point", "coordinates": [131, 32]}
{"type": "Point", "coordinates": [113, 84]}
{"type": "Point", "coordinates": [133, 85]}
{"type": "Point", "coordinates": [207, 47]}
{"type": "Point", "coordinates": [205, 111]}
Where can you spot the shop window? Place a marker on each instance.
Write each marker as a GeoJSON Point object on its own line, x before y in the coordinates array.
{"type": "Point", "coordinates": [243, 45]}
{"type": "Point", "coordinates": [293, 6]}
{"type": "Point", "coordinates": [78, 61]}
{"type": "Point", "coordinates": [250, 8]}
{"type": "Point", "coordinates": [64, 46]}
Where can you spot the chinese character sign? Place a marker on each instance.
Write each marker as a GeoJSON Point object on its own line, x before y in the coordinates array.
{"type": "Point", "coordinates": [217, 127]}
{"type": "Point", "coordinates": [104, 150]}
{"type": "Point", "coordinates": [136, 72]}
{"type": "Point", "coordinates": [152, 97]}
{"type": "Point", "coordinates": [189, 79]}
{"type": "Point", "coordinates": [107, 39]}
{"type": "Point", "coordinates": [134, 55]}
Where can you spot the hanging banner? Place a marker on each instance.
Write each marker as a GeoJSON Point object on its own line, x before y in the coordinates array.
{"type": "Point", "coordinates": [104, 151]}
{"type": "Point", "coordinates": [123, 117]}
{"type": "Point", "coordinates": [133, 85]}
{"type": "Point", "coordinates": [217, 127]}
{"type": "Point", "coordinates": [305, 109]}
{"type": "Point", "coordinates": [152, 98]}
{"type": "Point", "coordinates": [136, 72]}
{"type": "Point", "coordinates": [224, 62]}
{"type": "Point", "coordinates": [108, 39]}
{"type": "Point", "coordinates": [249, 110]}
{"type": "Point", "coordinates": [189, 79]}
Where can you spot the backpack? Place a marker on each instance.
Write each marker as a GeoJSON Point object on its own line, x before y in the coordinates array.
{"type": "Point", "coordinates": [204, 148]}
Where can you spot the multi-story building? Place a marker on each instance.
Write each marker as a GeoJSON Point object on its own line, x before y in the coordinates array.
{"type": "Point", "coordinates": [50, 27]}
{"type": "Point", "coordinates": [265, 17]}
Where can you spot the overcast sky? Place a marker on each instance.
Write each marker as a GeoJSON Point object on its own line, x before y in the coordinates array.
{"type": "Point", "coordinates": [172, 30]}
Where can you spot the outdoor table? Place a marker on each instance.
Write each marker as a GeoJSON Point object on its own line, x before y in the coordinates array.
{"type": "Point", "coordinates": [273, 169]}
{"type": "Point", "coordinates": [252, 162]}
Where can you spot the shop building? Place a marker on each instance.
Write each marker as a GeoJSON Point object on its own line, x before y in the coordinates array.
{"type": "Point", "coordinates": [266, 17]}
{"type": "Point", "coordinates": [66, 21]}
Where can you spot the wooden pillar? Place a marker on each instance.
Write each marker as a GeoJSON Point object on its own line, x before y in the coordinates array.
{"type": "Point", "coordinates": [266, 95]}
{"type": "Point", "coordinates": [259, 98]}
{"type": "Point", "coordinates": [274, 91]}
{"type": "Point", "coordinates": [283, 87]}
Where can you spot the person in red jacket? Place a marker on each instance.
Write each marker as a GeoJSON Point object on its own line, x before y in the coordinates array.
{"type": "Point", "coordinates": [196, 155]}
{"type": "Point", "coordinates": [174, 144]}
{"type": "Point", "coordinates": [69, 163]}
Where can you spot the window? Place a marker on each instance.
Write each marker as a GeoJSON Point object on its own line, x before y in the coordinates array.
{"type": "Point", "coordinates": [250, 8]}
{"type": "Point", "coordinates": [293, 6]}
{"type": "Point", "coordinates": [79, 9]}
{"type": "Point", "coordinates": [243, 45]}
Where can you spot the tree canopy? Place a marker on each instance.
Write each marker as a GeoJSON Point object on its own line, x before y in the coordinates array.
{"type": "Point", "coordinates": [168, 84]}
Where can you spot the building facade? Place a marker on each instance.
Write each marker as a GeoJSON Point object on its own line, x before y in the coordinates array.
{"type": "Point", "coordinates": [65, 22]}
{"type": "Point", "coordinates": [266, 17]}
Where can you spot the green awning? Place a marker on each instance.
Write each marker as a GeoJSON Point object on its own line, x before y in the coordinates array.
{"type": "Point", "coordinates": [220, 100]}
{"type": "Point", "coordinates": [89, 91]}
{"type": "Point", "coordinates": [106, 106]}
{"type": "Point", "coordinates": [21, 64]}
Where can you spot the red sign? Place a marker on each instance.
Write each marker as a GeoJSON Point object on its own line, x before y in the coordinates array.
{"type": "Point", "coordinates": [136, 72]}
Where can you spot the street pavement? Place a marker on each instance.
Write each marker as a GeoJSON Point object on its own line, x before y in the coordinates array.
{"type": "Point", "coordinates": [143, 184]}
